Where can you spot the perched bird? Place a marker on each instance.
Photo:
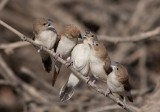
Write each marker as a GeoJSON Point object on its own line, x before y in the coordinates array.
{"type": "Point", "coordinates": [118, 81]}
{"type": "Point", "coordinates": [45, 35]}
{"type": "Point", "coordinates": [68, 40]}
{"type": "Point", "coordinates": [80, 60]}
{"type": "Point", "coordinates": [99, 61]}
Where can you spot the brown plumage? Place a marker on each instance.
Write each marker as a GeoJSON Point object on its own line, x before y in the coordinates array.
{"type": "Point", "coordinates": [99, 61]}
{"type": "Point", "coordinates": [68, 40]}
{"type": "Point", "coordinates": [80, 58]}
{"type": "Point", "coordinates": [71, 31]}
{"type": "Point", "coordinates": [118, 81]}
{"type": "Point", "coordinates": [45, 35]}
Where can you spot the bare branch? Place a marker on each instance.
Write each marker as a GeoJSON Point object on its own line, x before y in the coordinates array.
{"type": "Point", "coordinates": [8, 48]}
{"type": "Point", "coordinates": [80, 76]}
{"type": "Point", "coordinates": [16, 82]}
{"type": "Point", "coordinates": [105, 108]}
{"type": "Point", "coordinates": [2, 4]}
{"type": "Point", "coordinates": [134, 38]}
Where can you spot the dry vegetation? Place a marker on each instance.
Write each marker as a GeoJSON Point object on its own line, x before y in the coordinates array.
{"type": "Point", "coordinates": [26, 87]}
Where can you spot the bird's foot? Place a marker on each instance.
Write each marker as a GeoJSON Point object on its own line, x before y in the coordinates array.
{"type": "Point", "coordinates": [69, 62]}
{"type": "Point", "coordinates": [92, 83]}
{"type": "Point", "coordinates": [124, 102]}
{"type": "Point", "coordinates": [87, 79]}
{"type": "Point", "coordinates": [107, 92]}
{"type": "Point", "coordinates": [40, 49]}
{"type": "Point", "coordinates": [119, 102]}
{"type": "Point", "coordinates": [57, 55]}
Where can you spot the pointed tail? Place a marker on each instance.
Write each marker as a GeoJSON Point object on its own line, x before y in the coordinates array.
{"type": "Point", "coordinates": [57, 67]}
{"type": "Point", "coordinates": [66, 93]}
{"type": "Point", "coordinates": [130, 98]}
{"type": "Point", "coordinates": [67, 90]}
{"type": "Point", "coordinates": [47, 64]}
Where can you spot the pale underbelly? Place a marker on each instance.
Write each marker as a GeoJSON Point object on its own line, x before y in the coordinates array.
{"type": "Point", "coordinates": [99, 72]}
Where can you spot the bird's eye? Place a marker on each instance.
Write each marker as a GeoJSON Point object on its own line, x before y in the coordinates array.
{"type": "Point", "coordinates": [117, 68]}
{"type": "Point", "coordinates": [96, 44]}
{"type": "Point", "coordinates": [92, 35]}
{"type": "Point", "coordinates": [44, 24]}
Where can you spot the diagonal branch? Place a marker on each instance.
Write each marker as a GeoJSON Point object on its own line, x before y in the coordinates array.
{"type": "Point", "coordinates": [80, 76]}
{"type": "Point", "coordinates": [134, 38]}
{"type": "Point", "coordinates": [3, 4]}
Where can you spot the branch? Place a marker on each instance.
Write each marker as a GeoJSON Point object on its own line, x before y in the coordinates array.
{"type": "Point", "coordinates": [107, 108]}
{"type": "Point", "coordinates": [80, 76]}
{"type": "Point", "coordinates": [2, 4]}
{"type": "Point", "coordinates": [9, 48]}
{"type": "Point", "coordinates": [134, 38]}
{"type": "Point", "coordinates": [10, 76]}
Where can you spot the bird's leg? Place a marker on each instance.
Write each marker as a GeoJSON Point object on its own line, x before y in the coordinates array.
{"type": "Point", "coordinates": [118, 101]}
{"type": "Point", "coordinates": [69, 62]}
{"type": "Point", "coordinates": [92, 83]}
{"type": "Point", "coordinates": [125, 103]}
{"type": "Point", "coordinates": [87, 79]}
{"type": "Point", "coordinates": [40, 49]}
{"type": "Point", "coordinates": [108, 91]}
{"type": "Point", "coordinates": [57, 55]}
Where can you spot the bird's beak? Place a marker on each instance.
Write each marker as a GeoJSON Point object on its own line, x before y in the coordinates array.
{"type": "Point", "coordinates": [114, 64]}
{"type": "Point", "coordinates": [84, 37]}
{"type": "Point", "coordinates": [89, 45]}
{"type": "Point", "coordinates": [113, 67]}
{"type": "Point", "coordinates": [51, 26]}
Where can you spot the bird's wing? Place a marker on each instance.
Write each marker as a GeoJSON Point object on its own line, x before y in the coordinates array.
{"type": "Point", "coordinates": [107, 66]}
{"type": "Point", "coordinates": [126, 84]}
{"type": "Point", "coordinates": [57, 42]}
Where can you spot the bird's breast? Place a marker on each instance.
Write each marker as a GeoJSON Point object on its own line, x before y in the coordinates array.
{"type": "Point", "coordinates": [114, 84]}
{"type": "Point", "coordinates": [80, 58]}
{"type": "Point", "coordinates": [98, 71]}
{"type": "Point", "coordinates": [65, 47]}
{"type": "Point", "coordinates": [47, 38]}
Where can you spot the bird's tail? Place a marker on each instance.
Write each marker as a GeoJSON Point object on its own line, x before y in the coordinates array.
{"type": "Point", "coordinates": [66, 93]}
{"type": "Point", "coordinates": [67, 90]}
{"type": "Point", "coordinates": [47, 64]}
{"type": "Point", "coordinates": [57, 68]}
{"type": "Point", "coordinates": [130, 98]}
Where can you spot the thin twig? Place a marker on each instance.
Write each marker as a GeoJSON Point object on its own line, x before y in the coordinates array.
{"type": "Point", "coordinates": [80, 76]}
{"type": "Point", "coordinates": [43, 83]}
{"type": "Point", "coordinates": [9, 48]}
{"type": "Point", "coordinates": [11, 77]}
{"type": "Point", "coordinates": [3, 4]}
{"type": "Point", "coordinates": [105, 108]}
{"type": "Point", "coordinates": [134, 38]}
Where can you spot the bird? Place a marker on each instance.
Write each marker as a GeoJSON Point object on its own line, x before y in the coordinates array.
{"type": "Point", "coordinates": [99, 62]}
{"type": "Point", "coordinates": [68, 40]}
{"type": "Point", "coordinates": [45, 35]}
{"type": "Point", "coordinates": [80, 61]}
{"type": "Point", "coordinates": [118, 82]}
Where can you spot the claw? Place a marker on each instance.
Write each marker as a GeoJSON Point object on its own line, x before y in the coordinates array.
{"type": "Point", "coordinates": [118, 101]}
{"type": "Point", "coordinates": [92, 83]}
{"type": "Point", "coordinates": [40, 49]}
{"type": "Point", "coordinates": [108, 91]}
{"type": "Point", "coordinates": [88, 79]}
{"type": "Point", "coordinates": [57, 55]}
{"type": "Point", "coordinates": [69, 62]}
{"type": "Point", "coordinates": [125, 103]}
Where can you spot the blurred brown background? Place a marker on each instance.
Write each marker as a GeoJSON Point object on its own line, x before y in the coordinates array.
{"type": "Point", "coordinates": [29, 89]}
